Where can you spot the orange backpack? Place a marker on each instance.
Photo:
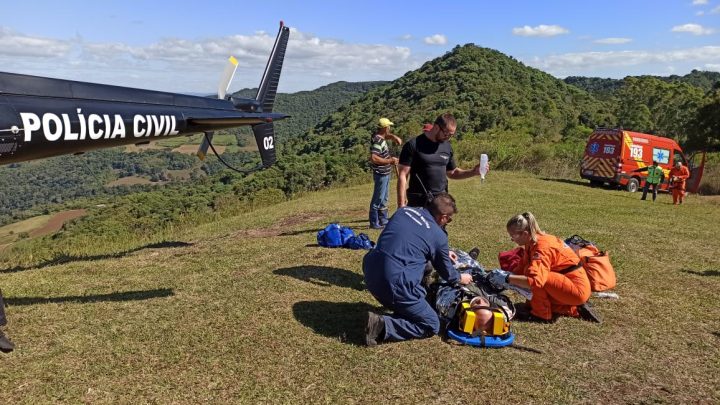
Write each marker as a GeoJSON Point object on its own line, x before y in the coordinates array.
{"type": "Point", "coordinates": [596, 263]}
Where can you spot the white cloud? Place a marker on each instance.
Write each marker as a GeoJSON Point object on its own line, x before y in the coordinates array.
{"type": "Point", "coordinates": [437, 39]}
{"type": "Point", "coordinates": [699, 2]}
{"type": "Point", "coordinates": [715, 67]}
{"type": "Point", "coordinates": [572, 63]}
{"type": "Point", "coordinates": [18, 45]}
{"type": "Point", "coordinates": [406, 37]}
{"type": "Point", "coordinates": [700, 13]}
{"type": "Point", "coordinates": [716, 10]}
{"type": "Point", "coordinates": [540, 31]}
{"type": "Point", "coordinates": [195, 65]}
{"type": "Point", "coordinates": [695, 29]}
{"type": "Point", "coordinates": [612, 41]}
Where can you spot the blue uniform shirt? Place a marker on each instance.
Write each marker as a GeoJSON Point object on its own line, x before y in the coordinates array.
{"type": "Point", "coordinates": [396, 266]}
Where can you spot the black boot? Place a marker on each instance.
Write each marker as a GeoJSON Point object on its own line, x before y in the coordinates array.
{"type": "Point", "coordinates": [374, 329]}
{"type": "Point", "coordinates": [6, 345]}
{"type": "Point", "coordinates": [383, 217]}
{"type": "Point", "coordinates": [374, 221]}
{"type": "Point", "coordinates": [588, 313]}
{"type": "Point", "coordinates": [3, 319]}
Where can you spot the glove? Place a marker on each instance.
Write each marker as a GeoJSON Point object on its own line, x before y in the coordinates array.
{"type": "Point", "coordinates": [498, 279]}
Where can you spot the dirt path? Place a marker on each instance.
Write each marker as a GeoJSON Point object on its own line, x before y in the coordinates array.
{"type": "Point", "coordinates": [56, 222]}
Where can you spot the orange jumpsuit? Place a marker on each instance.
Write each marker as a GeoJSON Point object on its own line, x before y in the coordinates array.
{"type": "Point", "coordinates": [678, 185]}
{"type": "Point", "coordinates": [553, 291]}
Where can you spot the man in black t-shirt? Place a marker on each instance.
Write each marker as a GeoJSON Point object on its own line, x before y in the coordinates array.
{"type": "Point", "coordinates": [428, 160]}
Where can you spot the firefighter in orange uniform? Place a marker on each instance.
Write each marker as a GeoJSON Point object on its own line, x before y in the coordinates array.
{"type": "Point", "coordinates": [678, 175]}
{"type": "Point", "coordinates": [550, 269]}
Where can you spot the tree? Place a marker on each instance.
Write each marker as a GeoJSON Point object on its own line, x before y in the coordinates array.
{"type": "Point", "coordinates": [704, 130]}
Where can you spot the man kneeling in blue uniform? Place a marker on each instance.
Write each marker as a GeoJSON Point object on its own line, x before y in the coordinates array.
{"type": "Point", "coordinates": [394, 271]}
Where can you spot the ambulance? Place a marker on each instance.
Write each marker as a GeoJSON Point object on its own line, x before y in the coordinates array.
{"type": "Point", "coordinates": [612, 156]}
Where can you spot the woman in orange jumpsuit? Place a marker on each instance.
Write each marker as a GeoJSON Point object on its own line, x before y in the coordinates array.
{"type": "Point", "coordinates": [551, 270]}
{"type": "Point", "coordinates": [678, 175]}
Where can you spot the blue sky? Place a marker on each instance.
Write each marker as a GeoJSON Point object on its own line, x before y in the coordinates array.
{"type": "Point", "coordinates": [183, 45]}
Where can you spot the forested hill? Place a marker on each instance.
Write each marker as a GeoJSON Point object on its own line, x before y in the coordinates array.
{"type": "Point", "coordinates": [604, 88]}
{"type": "Point", "coordinates": [496, 99]}
{"type": "Point", "coordinates": [485, 89]}
{"type": "Point", "coordinates": [307, 108]}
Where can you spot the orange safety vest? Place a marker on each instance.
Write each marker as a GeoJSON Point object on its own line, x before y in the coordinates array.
{"type": "Point", "coordinates": [550, 253]}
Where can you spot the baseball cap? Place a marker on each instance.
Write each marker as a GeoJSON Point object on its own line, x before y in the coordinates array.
{"type": "Point", "coordinates": [384, 122]}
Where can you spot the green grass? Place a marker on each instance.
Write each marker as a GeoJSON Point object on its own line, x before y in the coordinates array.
{"type": "Point", "coordinates": [248, 310]}
{"type": "Point", "coordinates": [10, 233]}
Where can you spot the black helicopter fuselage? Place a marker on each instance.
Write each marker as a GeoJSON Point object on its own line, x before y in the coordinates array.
{"type": "Point", "coordinates": [43, 117]}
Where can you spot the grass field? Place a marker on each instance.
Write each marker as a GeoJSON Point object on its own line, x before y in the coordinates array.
{"type": "Point", "coordinates": [250, 310]}
{"type": "Point", "coordinates": [37, 226]}
{"type": "Point", "coordinates": [10, 233]}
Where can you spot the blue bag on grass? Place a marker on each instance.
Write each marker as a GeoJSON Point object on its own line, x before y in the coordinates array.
{"type": "Point", "coordinates": [334, 235]}
{"type": "Point", "coordinates": [362, 241]}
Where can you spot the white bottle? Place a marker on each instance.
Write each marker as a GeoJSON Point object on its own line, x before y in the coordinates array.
{"type": "Point", "coordinates": [483, 166]}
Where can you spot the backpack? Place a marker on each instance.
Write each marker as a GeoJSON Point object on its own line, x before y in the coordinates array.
{"type": "Point", "coordinates": [595, 262]}
{"type": "Point", "coordinates": [361, 241]}
{"type": "Point", "coordinates": [334, 235]}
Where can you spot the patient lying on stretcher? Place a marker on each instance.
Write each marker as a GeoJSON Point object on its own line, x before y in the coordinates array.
{"type": "Point", "coordinates": [480, 297]}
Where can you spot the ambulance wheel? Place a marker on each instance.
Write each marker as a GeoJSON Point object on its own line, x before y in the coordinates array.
{"type": "Point", "coordinates": [596, 183]}
{"type": "Point", "coordinates": [633, 185]}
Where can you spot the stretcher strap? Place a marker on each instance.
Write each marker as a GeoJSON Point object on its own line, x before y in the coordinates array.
{"type": "Point", "coordinates": [571, 269]}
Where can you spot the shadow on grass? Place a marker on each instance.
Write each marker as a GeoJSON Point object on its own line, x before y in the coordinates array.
{"type": "Point", "coordinates": [324, 276]}
{"type": "Point", "coordinates": [706, 273]}
{"type": "Point", "coordinates": [84, 299]}
{"type": "Point", "coordinates": [567, 181]}
{"type": "Point", "coordinates": [344, 321]}
{"type": "Point", "coordinates": [358, 221]}
{"type": "Point", "coordinates": [300, 232]}
{"type": "Point", "coordinates": [316, 230]}
{"type": "Point", "coordinates": [64, 258]}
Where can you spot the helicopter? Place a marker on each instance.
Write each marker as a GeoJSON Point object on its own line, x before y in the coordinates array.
{"type": "Point", "coordinates": [43, 117]}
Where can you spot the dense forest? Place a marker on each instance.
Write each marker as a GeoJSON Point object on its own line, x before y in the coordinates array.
{"type": "Point", "coordinates": [678, 107]}
{"type": "Point", "coordinates": [522, 117]}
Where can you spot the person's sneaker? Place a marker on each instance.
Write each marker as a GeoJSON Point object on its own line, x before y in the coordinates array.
{"type": "Point", "coordinates": [374, 330]}
{"type": "Point", "coordinates": [474, 253]}
{"type": "Point", "coordinates": [588, 313]}
{"type": "Point", "coordinates": [5, 344]}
